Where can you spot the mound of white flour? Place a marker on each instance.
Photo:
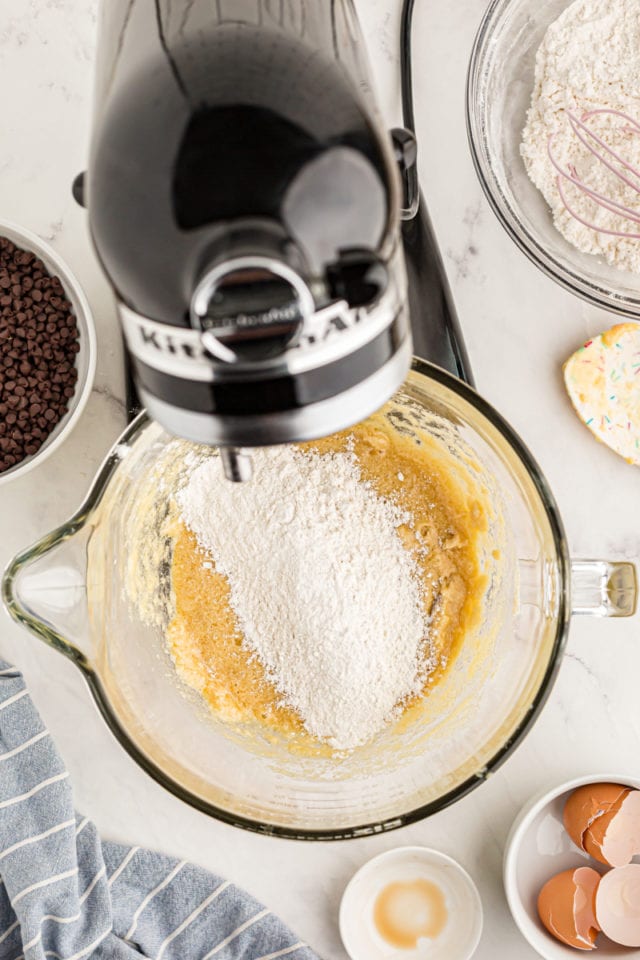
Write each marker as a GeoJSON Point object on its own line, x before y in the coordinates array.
{"type": "Point", "coordinates": [325, 594]}
{"type": "Point", "coordinates": [589, 60]}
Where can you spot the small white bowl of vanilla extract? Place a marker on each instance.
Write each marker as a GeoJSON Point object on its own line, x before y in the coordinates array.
{"type": "Point", "coordinates": [411, 902]}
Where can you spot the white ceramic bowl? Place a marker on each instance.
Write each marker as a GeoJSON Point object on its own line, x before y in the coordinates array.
{"type": "Point", "coordinates": [462, 932]}
{"type": "Point", "coordinates": [539, 847]}
{"type": "Point", "coordinates": [85, 358]}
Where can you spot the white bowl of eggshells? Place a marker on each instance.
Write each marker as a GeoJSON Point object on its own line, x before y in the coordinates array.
{"type": "Point", "coordinates": [572, 869]}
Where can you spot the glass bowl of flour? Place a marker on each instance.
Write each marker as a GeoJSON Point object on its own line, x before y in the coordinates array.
{"type": "Point", "coordinates": [577, 57]}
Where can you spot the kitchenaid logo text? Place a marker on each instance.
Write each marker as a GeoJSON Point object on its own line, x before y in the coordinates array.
{"type": "Point", "coordinates": [168, 343]}
{"type": "Point", "coordinates": [187, 345]}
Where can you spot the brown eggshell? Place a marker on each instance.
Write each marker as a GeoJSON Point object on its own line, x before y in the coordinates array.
{"type": "Point", "coordinates": [587, 804]}
{"type": "Point", "coordinates": [618, 905]}
{"type": "Point", "coordinates": [567, 907]}
{"type": "Point", "coordinates": [614, 838]}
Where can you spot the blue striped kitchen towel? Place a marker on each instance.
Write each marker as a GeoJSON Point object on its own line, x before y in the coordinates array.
{"type": "Point", "coordinates": [67, 895]}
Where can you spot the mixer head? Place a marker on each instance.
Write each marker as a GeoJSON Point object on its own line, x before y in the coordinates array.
{"type": "Point", "coordinates": [244, 200]}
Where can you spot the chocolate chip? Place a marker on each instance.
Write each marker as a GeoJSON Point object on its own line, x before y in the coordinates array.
{"type": "Point", "coordinates": [38, 346]}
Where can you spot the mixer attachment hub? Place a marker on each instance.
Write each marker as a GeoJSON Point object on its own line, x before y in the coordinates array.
{"type": "Point", "coordinates": [250, 308]}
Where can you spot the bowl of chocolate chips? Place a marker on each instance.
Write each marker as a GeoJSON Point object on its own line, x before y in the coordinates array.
{"type": "Point", "coordinates": [47, 351]}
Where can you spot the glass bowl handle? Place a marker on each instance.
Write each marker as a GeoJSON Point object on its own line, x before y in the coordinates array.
{"type": "Point", "coordinates": [603, 589]}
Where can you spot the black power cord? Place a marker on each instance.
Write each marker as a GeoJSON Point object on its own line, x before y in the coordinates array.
{"type": "Point", "coordinates": [405, 138]}
{"type": "Point", "coordinates": [406, 65]}
{"type": "Point", "coordinates": [436, 331]}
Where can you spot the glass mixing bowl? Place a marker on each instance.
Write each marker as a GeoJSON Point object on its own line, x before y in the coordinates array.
{"type": "Point", "coordinates": [500, 83]}
{"type": "Point", "coordinates": [71, 589]}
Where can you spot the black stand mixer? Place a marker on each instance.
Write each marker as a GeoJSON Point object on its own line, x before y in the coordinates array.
{"type": "Point", "coordinates": [263, 231]}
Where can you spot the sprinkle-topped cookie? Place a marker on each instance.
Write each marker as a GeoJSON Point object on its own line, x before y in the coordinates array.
{"type": "Point", "coordinates": [603, 382]}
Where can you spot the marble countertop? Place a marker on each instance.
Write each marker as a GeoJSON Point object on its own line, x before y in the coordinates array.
{"type": "Point", "coordinates": [519, 328]}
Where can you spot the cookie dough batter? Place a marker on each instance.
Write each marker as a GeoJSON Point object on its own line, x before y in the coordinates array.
{"type": "Point", "coordinates": [207, 645]}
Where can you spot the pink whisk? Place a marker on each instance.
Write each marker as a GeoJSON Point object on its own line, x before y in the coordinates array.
{"type": "Point", "coordinates": [592, 141]}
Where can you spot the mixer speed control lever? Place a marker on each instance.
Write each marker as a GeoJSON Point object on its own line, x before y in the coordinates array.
{"type": "Point", "coordinates": [405, 148]}
{"type": "Point", "coordinates": [359, 278]}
